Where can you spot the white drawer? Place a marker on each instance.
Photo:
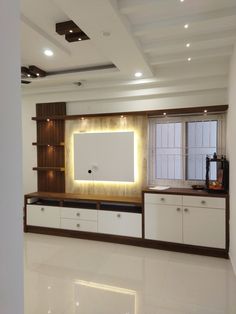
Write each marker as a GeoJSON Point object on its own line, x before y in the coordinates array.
{"type": "Point", "coordinates": [207, 202]}
{"type": "Point", "coordinates": [79, 213]}
{"type": "Point", "coordinates": [120, 223]}
{"type": "Point", "coordinates": [79, 225]}
{"type": "Point", "coordinates": [43, 216]}
{"type": "Point", "coordinates": [152, 198]}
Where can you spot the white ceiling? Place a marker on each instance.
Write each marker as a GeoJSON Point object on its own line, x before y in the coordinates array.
{"type": "Point", "coordinates": [145, 35]}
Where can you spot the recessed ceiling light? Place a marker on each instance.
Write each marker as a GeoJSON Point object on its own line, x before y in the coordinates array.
{"type": "Point", "coordinates": [28, 75]}
{"type": "Point", "coordinates": [48, 52]}
{"type": "Point", "coordinates": [189, 59]}
{"type": "Point", "coordinates": [37, 74]}
{"type": "Point", "coordinates": [79, 39]}
{"type": "Point", "coordinates": [186, 26]}
{"type": "Point", "coordinates": [71, 31]}
{"type": "Point", "coordinates": [181, 0]}
{"type": "Point", "coordinates": [164, 113]}
{"type": "Point", "coordinates": [205, 111]}
{"type": "Point", "coordinates": [138, 74]}
{"type": "Point", "coordinates": [188, 45]}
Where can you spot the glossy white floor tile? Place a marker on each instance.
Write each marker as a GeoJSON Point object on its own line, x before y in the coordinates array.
{"type": "Point", "coordinates": [72, 276]}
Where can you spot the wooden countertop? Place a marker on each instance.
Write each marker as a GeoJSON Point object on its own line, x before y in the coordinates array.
{"type": "Point", "coordinates": [83, 197]}
{"type": "Point", "coordinates": [186, 191]}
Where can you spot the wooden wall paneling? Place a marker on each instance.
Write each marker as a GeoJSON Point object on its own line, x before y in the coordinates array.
{"type": "Point", "coordinates": [50, 134]}
{"type": "Point", "coordinates": [136, 123]}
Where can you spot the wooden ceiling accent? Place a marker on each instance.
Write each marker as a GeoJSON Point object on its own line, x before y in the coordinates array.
{"type": "Point", "coordinates": [32, 72]}
{"type": "Point", "coordinates": [71, 31]}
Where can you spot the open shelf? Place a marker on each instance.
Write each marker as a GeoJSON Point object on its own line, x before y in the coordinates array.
{"type": "Point", "coordinates": [49, 169]}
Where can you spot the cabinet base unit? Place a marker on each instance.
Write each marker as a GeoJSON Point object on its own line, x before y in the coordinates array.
{"type": "Point", "coordinates": [175, 220]}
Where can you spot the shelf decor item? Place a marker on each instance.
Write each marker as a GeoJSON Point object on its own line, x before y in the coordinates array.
{"type": "Point", "coordinates": [217, 174]}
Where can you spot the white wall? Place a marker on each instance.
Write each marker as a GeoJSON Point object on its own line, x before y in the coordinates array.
{"type": "Point", "coordinates": [77, 106]}
{"type": "Point", "coordinates": [11, 222]}
{"type": "Point", "coordinates": [231, 125]}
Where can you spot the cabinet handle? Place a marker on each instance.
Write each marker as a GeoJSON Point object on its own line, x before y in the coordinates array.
{"type": "Point", "coordinates": [118, 215]}
{"type": "Point", "coordinates": [162, 199]}
{"type": "Point", "coordinates": [186, 210]}
{"type": "Point", "coordinates": [178, 209]}
{"type": "Point", "coordinates": [42, 209]}
{"type": "Point", "coordinates": [78, 225]}
{"type": "Point", "coordinates": [78, 214]}
{"type": "Point", "coordinates": [203, 202]}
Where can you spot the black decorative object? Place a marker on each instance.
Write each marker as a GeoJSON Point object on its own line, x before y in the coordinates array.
{"type": "Point", "coordinates": [217, 174]}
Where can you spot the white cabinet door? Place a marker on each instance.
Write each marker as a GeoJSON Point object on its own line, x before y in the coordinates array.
{"type": "Point", "coordinates": [163, 223]}
{"type": "Point", "coordinates": [204, 227]}
{"type": "Point", "coordinates": [120, 223]}
{"type": "Point", "coordinates": [43, 216]}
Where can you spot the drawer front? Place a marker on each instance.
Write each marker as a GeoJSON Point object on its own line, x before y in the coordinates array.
{"type": "Point", "coordinates": [120, 223]}
{"type": "Point", "coordinates": [207, 202]}
{"type": "Point", "coordinates": [152, 198]}
{"type": "Point", "coordinates": [79, 213]}
{"type": "Point", "coordinates": [43, 216]}
{"type": "Point", "coordinates": [79, 225]}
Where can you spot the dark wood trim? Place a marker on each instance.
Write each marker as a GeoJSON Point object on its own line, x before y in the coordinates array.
{"type": "Point", "coordinates": [179, 111]}
{"type": "Point", "coordinates": [174, 247]}
{"type": "Point", "coordinates": [187, 191]}
{"type": "Point", "coordinates": [86, 197]}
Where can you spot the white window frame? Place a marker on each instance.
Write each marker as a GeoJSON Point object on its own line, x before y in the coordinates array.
{"type": "Point", "coordinates": [221, 145]}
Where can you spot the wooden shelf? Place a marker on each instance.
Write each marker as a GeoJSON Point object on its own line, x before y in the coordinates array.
{"type": "Point", "coordinates": [56, 117]}
{"type": "Point", "coordinates": [61, 169]}
{"type": "Point", "coordinates": [48, 144]}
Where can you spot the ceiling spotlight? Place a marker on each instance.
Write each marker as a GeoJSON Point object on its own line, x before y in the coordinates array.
{"type": "Point", "coordinates": [122, 116]}
{"type": "Point", "coordinates": [138, 74]}
{"type": "Point", "coordinates": [205, 111]}
{"type": "Point", "coordinates": [28, 75]}
{"type": "Point", "coordinates": [79, 39]}
{"type": "Point", "coordinates": [82, 118]}
{"type": "Point", "coordinates": [181, 0]}
{"type": "Point", "coordinates": [188, 45]}
{"type": "Point", "coordinates": [37, 74]}
{"type": "Point", "coordinates": [48, 120]}
{"type": "Point", "coordinates": [189, 59]}
{"type": "Point", "coordinates": [71, 31]}
{"type": "Point", "coordinates": [164, 113]}
{"type": "Point", "coordinates": [186, 26]}
{"type": "Point", "coordinates": [48, 53]}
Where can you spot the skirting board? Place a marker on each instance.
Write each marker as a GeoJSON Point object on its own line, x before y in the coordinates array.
{"type": "Point", "coordinates": [167, 246]}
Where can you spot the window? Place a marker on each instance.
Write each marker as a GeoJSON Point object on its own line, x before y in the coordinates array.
{"type": "Point", "coordinates": [178, 147]}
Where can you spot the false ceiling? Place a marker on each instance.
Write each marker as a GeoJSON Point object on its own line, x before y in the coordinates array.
{"type": "Point", "coordinates": [155, 37]}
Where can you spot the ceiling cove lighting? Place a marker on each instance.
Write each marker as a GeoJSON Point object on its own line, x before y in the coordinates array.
{"type": "Point", "coordinates": [186, 26]}
{"type": "Point", "coordinates": [48, 52]}
{"type": "Point", "coordinates": [138, 74]}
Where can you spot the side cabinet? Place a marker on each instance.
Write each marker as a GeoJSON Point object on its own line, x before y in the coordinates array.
{"type": "Point", "coordinates": [193, 220]}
